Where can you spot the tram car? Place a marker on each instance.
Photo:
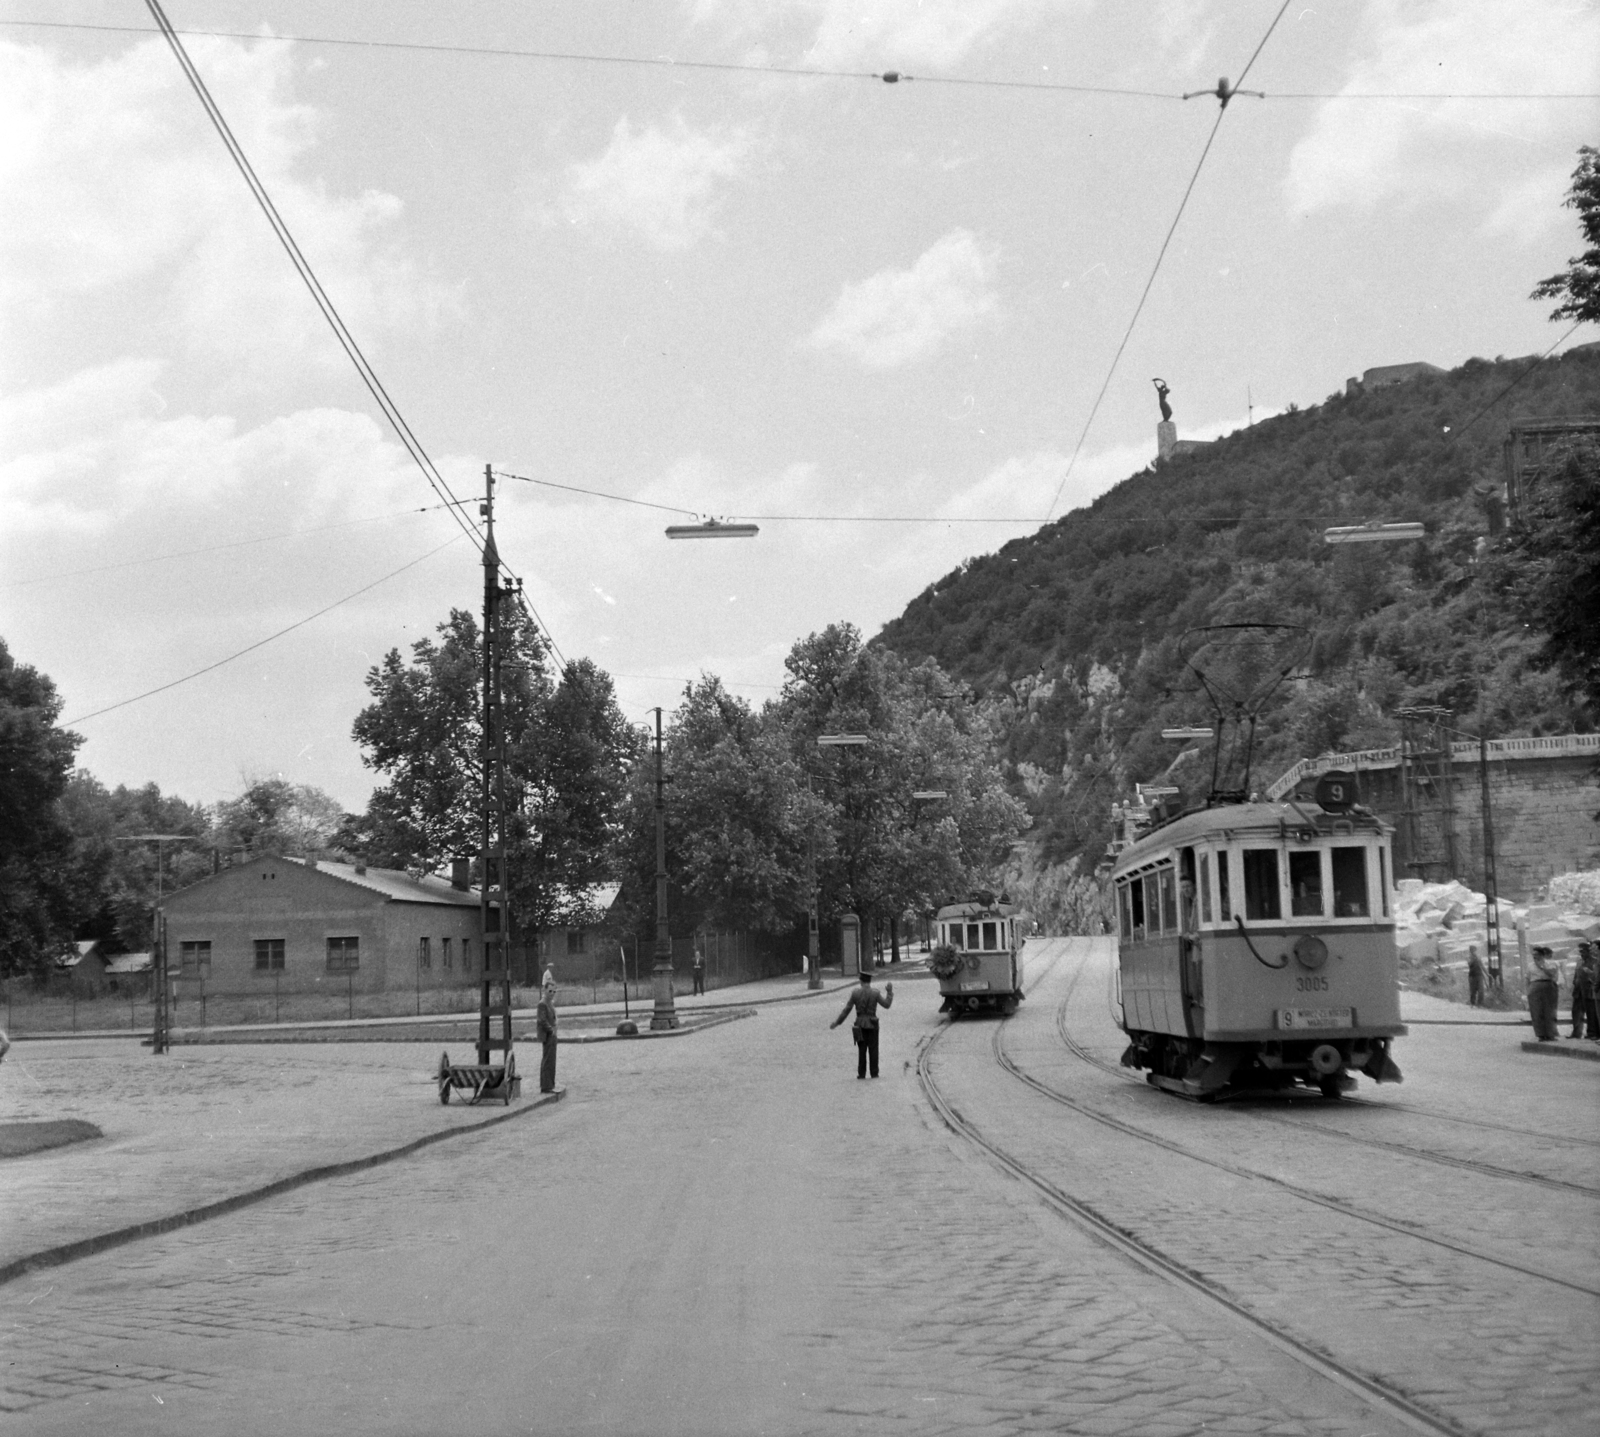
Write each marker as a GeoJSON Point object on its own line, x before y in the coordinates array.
{"type": "Point", "coordinates": [1257, 950]}
{"type": "Point", "coordinates": [977, 956]}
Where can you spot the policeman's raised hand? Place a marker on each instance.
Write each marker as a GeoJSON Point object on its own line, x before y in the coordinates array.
{"type": "Point", "coordinates": [888, 987]}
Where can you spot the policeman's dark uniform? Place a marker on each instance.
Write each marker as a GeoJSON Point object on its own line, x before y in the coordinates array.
{"type": "Point", "coordinates": [865, 1001]}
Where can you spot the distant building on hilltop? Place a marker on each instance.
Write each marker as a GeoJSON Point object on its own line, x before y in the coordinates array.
{"type": "Point", "coordinates": [1386, 374]}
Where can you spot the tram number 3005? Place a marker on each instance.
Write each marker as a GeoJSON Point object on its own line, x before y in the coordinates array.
{"type": "Point", "coordinates": [1311, 984]}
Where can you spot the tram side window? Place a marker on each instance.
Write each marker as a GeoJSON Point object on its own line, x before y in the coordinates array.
{"type": "Point", "coordinates": [1205, 887]}
{"type": "Point", "coordinates": [1169, 901]}
{"type": "Point", "coordinates": [1305, 884]}
{"type": "Point", "coordinates": [1350, 883]}
{"type": "Point", "coordinates": [1136, 898]}
{"type": "Point", "coordinates": [1261, 884]}
{"type": "Point", "coordinates": [1383, 879]}
{"type": "Point", "coordinates": [1224, 901]}
{"type": "Point", "coordinates": [1152, 904]}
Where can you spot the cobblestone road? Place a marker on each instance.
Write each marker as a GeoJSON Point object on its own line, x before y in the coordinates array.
{"type": "Point", "coordinates": [731, 1234]}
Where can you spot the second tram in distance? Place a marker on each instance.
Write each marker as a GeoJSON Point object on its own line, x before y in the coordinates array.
{"type": "Point", "coordinates": [978, 956]}
{"type": "Point", "coordinates": [1257, 950]}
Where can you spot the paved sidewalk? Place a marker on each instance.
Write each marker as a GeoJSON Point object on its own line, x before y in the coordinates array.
{"type": "Point", "coordinates": [208, 1123]}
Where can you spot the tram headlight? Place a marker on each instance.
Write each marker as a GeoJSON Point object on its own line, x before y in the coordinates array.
{"type": "Point", "coordinates": [1310, 952]}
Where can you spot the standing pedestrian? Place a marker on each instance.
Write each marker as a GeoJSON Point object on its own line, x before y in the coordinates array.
{"type": "Point", "coordinates": [699, 971]}
{"type": "Point", "coordinates": [1475, 977]}
{"type": "Point", "coordinates": [1586, 993]}
{"type": "Point", "coordinates": [1544, 995]}
{"type": "Point", "coordinates": [545, 1021]}
{"type": "Point", "coordinates": [865, 1001]}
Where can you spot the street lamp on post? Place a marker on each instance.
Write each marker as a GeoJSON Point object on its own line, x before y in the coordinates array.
{"type": "Point", "coordinates": [665, 1014]}
{"type": "Point", "coordinates": [158, 939]}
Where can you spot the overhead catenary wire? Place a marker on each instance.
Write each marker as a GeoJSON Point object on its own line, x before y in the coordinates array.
{"type": "Point", "coordinates": [369, 378]}
{"type": "Point", "coordinates": [1457, 432]}
{"type": "Point", "coordinates": [347, 341]}
{"type": "Point", "coordinates": [262, 643]}
{"type": "Point", "coordinates": [892, 77]}
{"type": "Point", "coordinates": [1161, 254]}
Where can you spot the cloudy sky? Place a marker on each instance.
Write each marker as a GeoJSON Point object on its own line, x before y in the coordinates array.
{"type": "Point", "coordinates": [735, 290]}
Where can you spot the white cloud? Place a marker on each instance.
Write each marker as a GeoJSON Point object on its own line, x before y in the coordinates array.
{"type": "Point", "coordinates": [900, 315]}
{"type": "Point", "coordinates": [117, 191]}
{"type": "Point", "coordinates": [888, 34]}
{"type": "Point", "coordinates": [1363, 152]}
{"type": "Point", "coordinates": [660, 182]}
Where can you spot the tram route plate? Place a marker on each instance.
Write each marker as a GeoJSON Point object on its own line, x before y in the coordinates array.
{"type": "Point", "coordinates": [974, 987]}
{"type": "Point", "coordinates": [1295, 1019]}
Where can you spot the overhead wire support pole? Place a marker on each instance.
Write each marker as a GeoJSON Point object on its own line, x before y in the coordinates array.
{"type": "Point", "coordinates": [665, 1014]}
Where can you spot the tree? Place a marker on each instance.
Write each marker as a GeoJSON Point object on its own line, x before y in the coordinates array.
{"type": "Point", "coordinates": [35, 843]}
{"type": "Point", "coordinates": [568, 767]}
{"type": "Point", "coordinates": [113, 872]}
{"type": "Point", "coordinates": [892, 852]}
{"type": "Point", "coordinates": [273, 815]}
{"type": "Point", "coordinates": [1553, 568]}
{"type": "Point", "coordinates": [1578, 286]}
{"type": "Point", "coordinates": [567, 748]}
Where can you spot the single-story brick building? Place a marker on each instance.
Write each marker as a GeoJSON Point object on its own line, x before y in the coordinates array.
{"type": "Point", "coordinates": [304, 925]}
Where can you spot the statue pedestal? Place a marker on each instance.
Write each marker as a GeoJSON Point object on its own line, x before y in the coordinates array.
{"type": "Point", "coordinates": [1166, 439]}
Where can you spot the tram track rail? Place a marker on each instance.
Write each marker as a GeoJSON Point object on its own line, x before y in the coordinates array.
{"type": "Point", "coordinates": [1321, 1200]}
{"type": "Point", "coordinates": [1151, 1259]}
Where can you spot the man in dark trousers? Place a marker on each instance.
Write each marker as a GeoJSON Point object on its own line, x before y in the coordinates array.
{"type": "Point", "coordinates": [545, 1021]}
{"type": "Point", "coordinates": [1475, 977]}
{"type": "Point", "coordinates": [1544, 996]}
{"type": "Point", "coordinates": [699, 971]}
{"type": "Point", "coordinates": [865, 1001]}
{"type": "Point", "coordinates": [1585, 992]}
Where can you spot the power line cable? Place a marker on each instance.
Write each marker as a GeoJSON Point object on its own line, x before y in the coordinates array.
{"type": "Point", "coordinates": [891, 77]}
{"type": "Point", "coordinates": [347, 341]}
{"type": "Point", "coordinates": [302, 266]}
{"type": "Point", "coordinates": [217, 548]}
{"type": "Point", "coordinates": [1222, 109]}
{"type": "Point", "coordinates": [261, 643]}
{"type": "Point", "coordinates": [770, 518]}
{"type": "Point", "coordinates": [1455, 434]}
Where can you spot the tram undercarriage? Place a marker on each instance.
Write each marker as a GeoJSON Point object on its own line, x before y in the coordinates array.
{"type": "Point", "coordinates": [1194, 1068]}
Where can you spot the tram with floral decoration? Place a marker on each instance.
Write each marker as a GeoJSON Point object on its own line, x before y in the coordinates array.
{"type": "Point", "coordinates": [977, 956]}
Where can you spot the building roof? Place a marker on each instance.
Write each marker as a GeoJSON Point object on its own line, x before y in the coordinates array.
{"type": "Point", "coordinates": [395, 884]}
{"type": "Point", "coordinates": [73, 956]}
{"type": "Point", "coordinates": [130, 963]}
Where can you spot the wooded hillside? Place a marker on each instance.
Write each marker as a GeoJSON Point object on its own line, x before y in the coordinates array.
{"type": "Point", "coordinates": [1072, 633]}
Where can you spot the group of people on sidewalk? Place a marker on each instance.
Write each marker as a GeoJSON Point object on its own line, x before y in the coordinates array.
{"type": "Point", "coordinates": [1544, 994]}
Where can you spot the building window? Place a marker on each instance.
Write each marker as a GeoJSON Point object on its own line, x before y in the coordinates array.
{"type": "Point", "coordinates": [269, 955]}
{"type": "Point", "coordinates": [194, 959]}
{"type": "Point", "coordinates": [424, 952]}
{"type": "Point", "coordinates": [577, 940]}
{"type": "Point", "coordinates": [344, 955]}
{"type": "Point", "coordinates": [448, 945]}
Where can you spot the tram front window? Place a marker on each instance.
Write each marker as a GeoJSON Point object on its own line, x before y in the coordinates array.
{"type": "Point", "coordinates": [1350, 883]}
{"type": "Point", "coordinates": [972, 937]}
{"type": "Point", "coordinates": [990, 942]}
{"type": "Point", "coordinates": [1261, 902]}
{"type": "Point", "coordinates": [1305, 884]}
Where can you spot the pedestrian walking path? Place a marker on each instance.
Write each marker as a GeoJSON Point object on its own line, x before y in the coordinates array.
{"type": "Point", "coordinates": [208, 1124]}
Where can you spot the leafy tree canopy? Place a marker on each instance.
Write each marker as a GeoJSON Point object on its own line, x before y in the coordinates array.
{"type": "Point", "coordinates": [1578, 286]}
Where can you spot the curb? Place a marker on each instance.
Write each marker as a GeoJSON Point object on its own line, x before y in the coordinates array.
{"type": "Point", "coordinates": [249, 1038]}
{"type": "Point", "coordinates": [120, 1237]}
{"type": "Point", "coordinates": [1558, 1049]}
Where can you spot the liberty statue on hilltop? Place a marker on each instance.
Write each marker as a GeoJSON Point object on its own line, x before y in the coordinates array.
{"type": "Point", "coordinates": [1161, 398]}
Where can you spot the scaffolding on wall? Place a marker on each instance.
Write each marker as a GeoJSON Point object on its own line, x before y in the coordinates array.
{"type": "Point", "coordinates": [1427, 836]}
